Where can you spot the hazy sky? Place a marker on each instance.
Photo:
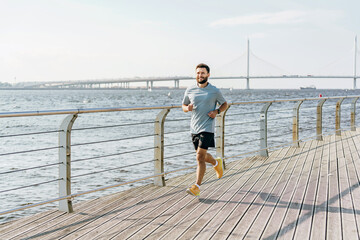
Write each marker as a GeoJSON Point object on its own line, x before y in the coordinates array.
{"type": "Point", "coordinates": [48, 40]}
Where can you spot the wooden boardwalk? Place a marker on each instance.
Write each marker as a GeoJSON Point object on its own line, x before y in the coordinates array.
{"type": "Point", "coordinates": [310, 192]}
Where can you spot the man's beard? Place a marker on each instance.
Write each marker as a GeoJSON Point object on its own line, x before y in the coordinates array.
{"type": "Point", "coordinates": [203, 81]}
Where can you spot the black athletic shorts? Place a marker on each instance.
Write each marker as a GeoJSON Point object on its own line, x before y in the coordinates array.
{"type": "Point", "coordinates": [203, 140]}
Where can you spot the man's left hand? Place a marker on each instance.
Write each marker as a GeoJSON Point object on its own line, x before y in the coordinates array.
{"type": "Point", "coordinates": [212, 114]}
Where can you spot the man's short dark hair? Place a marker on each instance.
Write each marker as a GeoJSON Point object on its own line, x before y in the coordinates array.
{"type": "Point", "coordinates": [203, 65]}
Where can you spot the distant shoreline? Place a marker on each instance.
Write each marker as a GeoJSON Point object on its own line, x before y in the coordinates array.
{"type": "Point", "coordinates": [145, 89]}
{"type": "Point", "coordinates": [171, 88]}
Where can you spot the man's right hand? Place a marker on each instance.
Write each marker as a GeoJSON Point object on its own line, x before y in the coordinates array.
{"type": "Point", "coordinates": [190, 107]}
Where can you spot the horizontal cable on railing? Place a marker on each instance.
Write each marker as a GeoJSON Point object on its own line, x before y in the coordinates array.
{"type": "Point", "coordinates": [183, 154]}
{"type": "Point", "coordinates": [308, 129]}
{"type": "Point", "coordinates": [280, 118]}
{"type": "Point", "coordinates": [237, 123]}
{"type": "Point", "coordinates": [281, 127]}
{"type": "Point", "coordinates": [177, 144]}
{"type": "Point", "coordinates": [235, 144]}
{"type": "Point", "coordinates": [307, 108]}
{"type": "Point", "coordinates": [30, 168]}
{"type": "Point", "coordinates": [33, 133]}
{"type": "Point", "coordinates": [242, 113]}
{"type": "Point", "coordinates": [329, 127]}
{"type": "Point", "coordinates": [32, 185]}
{"type": "Point", "coordinates": [113, 140]}
{"type": "Point", "coordinates": [240, 133]}
{"type": "Point", "coordinates": [112, 155]}
{"type": "Point", "coordinates": [278, 110]}
{"type": "Point", "coordinates": [181, 131]}
{"type": "Point", "coordinates": [112, 169]}
{"type": "Point", "coordinates": [328, 106]}
{"type": "Point", "coordinates": [282, 134]}
{"type": "Point", "coordinates": [28, 151]}
{"type": "Point", "coordinates": [177, 119]}
{"type": "Point", "coordinates": [111, 126]}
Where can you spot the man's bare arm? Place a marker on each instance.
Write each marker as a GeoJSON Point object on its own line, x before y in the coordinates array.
{"type": "Point", "coordinates": [187, 108]}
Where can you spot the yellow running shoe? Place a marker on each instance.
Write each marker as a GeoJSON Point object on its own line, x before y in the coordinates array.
{"type": "Point", "coordinates": [219, 168]}
{"type": "Point", "coordinates": [193, 190]}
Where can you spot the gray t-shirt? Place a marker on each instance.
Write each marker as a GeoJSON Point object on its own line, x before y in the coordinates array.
{"type": "Point", "coordinates": [204, 101]}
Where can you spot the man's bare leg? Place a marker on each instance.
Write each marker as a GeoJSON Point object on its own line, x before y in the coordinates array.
{"type": "Point", "coordinates": [202, 157]}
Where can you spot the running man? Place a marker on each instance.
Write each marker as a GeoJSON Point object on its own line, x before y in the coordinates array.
{"type": "Point", "coordinates": [201, 100]}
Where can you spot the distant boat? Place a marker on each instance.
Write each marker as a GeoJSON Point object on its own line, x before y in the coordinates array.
{"type": "Point", "coordinates": [312, 87]}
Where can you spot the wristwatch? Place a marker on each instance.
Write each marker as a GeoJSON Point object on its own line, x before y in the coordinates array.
{"type": "Point", "coordinates": [219, 111]}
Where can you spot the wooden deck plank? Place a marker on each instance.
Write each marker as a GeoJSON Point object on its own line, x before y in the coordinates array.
{"type": "Point", "coordinates": [170, 219]}
{"type": "Point", "coordinates": [271, 228]}
{"type": "Point", "coordinates": [333, 212]}
{"type": "Point", "coordinates": [288, 223]}
{"type": "Point", "coordinates": [293, 215]}
{"type": "Point", "coordinates": [304, 221]}
{"type": "Point", "coordinates": [353, 159]}
{"type": "Point", "coordinates": [216, 215]}
{"type": "Point", "coordinates": [248, 220]}
{"type": "Point", "coordinates": [65, 223]}
{"type": "Point", "coordinates": [249, 193]}
{"type": "Point", "coordinates": [120, 211]}
{"type": "Point", "coordinates": [349, 229]}
{"type": "Point", "coordinates": [25, 223]}
{"type": "Point", "coordinates": [122, 229]}
{"type": "Point", "coordinates": [250, 172]}
{"type": "Point", "coordinates": [193, 230]}
{"type": "Point", "coordinates": [29, 223]}
{"type": "Point", "coordinates": [267, 234]}
{"type": "Point", "coordinates": [231, 181]}
{"type": "Point", "coordinates": [134, 222]}
{"type": "Point", "coordinates": [257, 228]}
{"type": "Point", "coordinates": [131, 224]}
{"type": "Point", "coordinates": [318, 229]}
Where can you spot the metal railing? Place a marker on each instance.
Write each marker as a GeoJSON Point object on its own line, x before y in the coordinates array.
{"type": "Point", "coordinates": [244, 128]}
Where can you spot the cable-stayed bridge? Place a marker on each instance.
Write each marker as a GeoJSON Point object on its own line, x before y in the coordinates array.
{"type": "Point", "coordinates": [238, 68]}
{"type": "Point", "coordinates": [125, 82]}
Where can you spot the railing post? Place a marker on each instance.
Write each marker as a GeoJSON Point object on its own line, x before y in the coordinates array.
{"type": "Point", "coordinates": [65, 162]}
{"type": "Point", "coordinates": [338, 117]}
{"type": "Point", "coordinates": [220, 134]}
{"type": "Point", "coordinates": [353, 114]}
{"type": "Point", "coordinates": [319, 120]}
{"type": "Point", "coordinates": [263, 130]}
{"type": "Point", "coordinates": [159, 147]}
{"type": "Point", "coordinates": [296, 123]}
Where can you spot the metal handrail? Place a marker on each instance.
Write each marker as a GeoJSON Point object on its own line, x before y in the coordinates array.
{"type": "Point", "coordinates": [112, 140]}
{"type": "Point", "coordinates": [97, 110]}
{"type": "Point", "coordinates": [30, 168]}
{"type": "Point", "coordinates": [112, 169]}
{"type": "Point", "coordinates": [238, 123]}
{"type": "Point", "coordinates": [111, 126]}
{"type": "Point", "coordinates": [31, 133]}
{"type": "Point", "coordinates": [220, 138]}
{"type": "Point", "coordinates": [32, 185]}
{"type": "Point", "coordinates": [28, 151]}
{"type": "Point", "coordinates": [114, 154]}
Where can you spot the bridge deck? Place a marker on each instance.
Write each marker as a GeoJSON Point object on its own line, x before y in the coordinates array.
{"type": "Point", "coordinates": [307, 192]}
